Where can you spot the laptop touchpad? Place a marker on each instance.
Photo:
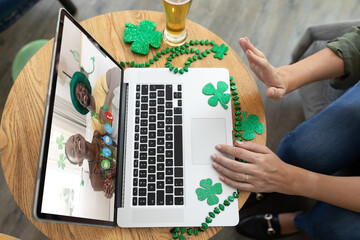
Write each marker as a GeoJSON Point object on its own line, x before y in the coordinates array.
{"type": "Point", "coordinates": [206, 133]}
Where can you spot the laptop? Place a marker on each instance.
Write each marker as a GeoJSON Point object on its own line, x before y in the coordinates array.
{"type": "Point", "coordinates": [128, 147]}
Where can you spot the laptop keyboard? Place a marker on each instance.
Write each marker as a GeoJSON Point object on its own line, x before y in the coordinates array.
{"type": "Point", "coordinates": [158, 176]}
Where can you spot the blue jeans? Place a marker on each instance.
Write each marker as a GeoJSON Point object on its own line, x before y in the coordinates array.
{"type": "Point", "coordinates": [326, 143]}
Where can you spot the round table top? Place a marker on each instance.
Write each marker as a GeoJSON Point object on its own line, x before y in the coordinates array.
{"type": "Point", "coordinates": [22, 119]}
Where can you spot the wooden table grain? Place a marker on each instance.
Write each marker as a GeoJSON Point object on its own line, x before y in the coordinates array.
{"type": "Point", "coordinates": [22, 120]}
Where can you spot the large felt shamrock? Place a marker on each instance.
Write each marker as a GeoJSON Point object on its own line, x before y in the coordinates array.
{"type": "Point", "coordinates": [208, 191]}
{"type": "Point", "coordinates": [218, 93]}
{"type": "Point", "coordinates": [219, 51]}
{"type": "Point", "coordinates": [142, 36]}
{"type": "Point", "coordinates": [250, 125]}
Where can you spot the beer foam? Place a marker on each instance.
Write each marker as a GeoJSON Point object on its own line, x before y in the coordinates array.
{"type": "Point", "coordinates": [177, 2]}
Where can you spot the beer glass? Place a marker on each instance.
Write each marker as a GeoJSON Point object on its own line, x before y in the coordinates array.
{"type": "Point", "coordinates": [175, 10]}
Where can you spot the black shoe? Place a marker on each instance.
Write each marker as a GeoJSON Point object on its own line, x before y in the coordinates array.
{"type": "Point", "coordinates": [261, 226]}
{"type": "Point", "coordinates": [253, 199]}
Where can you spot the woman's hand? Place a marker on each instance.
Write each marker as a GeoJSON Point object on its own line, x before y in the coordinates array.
{"type": "Point", "coordinates": [273, 79]}
{"type": "Point", "coordinates": [263, 172]}
{"type": "Point", "coordinates": [109, 191]}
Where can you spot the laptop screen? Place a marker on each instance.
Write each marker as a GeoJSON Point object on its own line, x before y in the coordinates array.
{"type": "Point", "coordinates": [82, 133]}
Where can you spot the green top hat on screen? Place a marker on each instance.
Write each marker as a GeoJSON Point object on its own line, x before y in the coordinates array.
{"type": "Point", "coordinates": [79, 77]}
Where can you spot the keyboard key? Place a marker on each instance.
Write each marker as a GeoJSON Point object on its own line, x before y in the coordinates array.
{"type": "Point", "coordinates": [169, 162]}
{"type": "Point", "coordinates": [151, 160]}
{"type": "Point", "coordinates": [137, 128]}
{"type": "Point", "coordinates": [160, 141]}
{"type": "Point", "coordinates": [177, 119]}
{"type": "Point", "coordinates": [152, 95]}
{"type": "Point", "coordinates": [161, 93]}
{"type": "Point", "coordinates": [137, 112]}
{"type": "Point", "coordinates": [135, 182]}
{"type": "Point", "coordinates": [168, 154]}
{"type": "Point", "coordinates": [179, 201]}
{"type": "Point", "coordinates": [160, 109]}
{"type": "Point", "coordinates": [152, 126]}
{"type": "Point", "coordinates": [169, 128]}
{"type": "Point", "coordinates": [143, 164]}
{"type": "Point", "coordinates": [160, 133]}
{"type": "Point", "coordinates": [169, 189]}
{"type": "Point", "coordinates": [161, 124]}
{"type": "Point", "coordinates": [142, 173]}
{"type": "Point", "coordinates": [179, 103]}
{"type": "Point", "coordinates": [160, 149]}
{"type": "Point", "coordinates": [169, 200]}
{"type": "Point", "coordinates": [143, 147]}
{"type": "Point", "coordinates": [135, 192]}
{"type": "Point", "coordinates": [168, 92]}
{"type": "Point", "coordinates": [160, 167]}
{"type": "Point", "coordinates": [137, 104]}
{"type": "Point", "coordinates": [169, 145]}
{"type": "Point", "coordinates": [143, 131]}
{"type": "Point", "coordinates": [160, 158]}
{"type": "Point", "coordinates": [142, 191]}
{"type": "Point", "coordinates": [152, 110]}
{"type": "Point", "coordinates": [144, 123]}
{"type": "Point", "coordinates": [151, 169]}
{"type": "Point", "coordinates": [169, 180]}
{"type": "Point", "coordinates": [179, 182]}
{"type": "Point", "coordinates": [134, 201]}
{"type": "Point", "coordinates": [144, 107]}
{"type": "Point", "coordinates": [178, 146]}
{"type": "Point", "coordinates": [169, 120]}
{"type": "Point", "coordinates": [136, 137]}
{"type": "Point", "coordinates": [169, 105]}
{"type": "Point", "coordinates": [142, 201]}
{"type": "Point", "coordinates": [137, 120]}
{"type": "Point", "coordinates": [152, 118]}
{"type": "Point", "coordinates": [152, 135]}
{"type": "Point", "coordinates": [161, 100]}
{"type": "Point", "coordinates": [136, 154]}
{"type": "Point", "coordinates": [135, 172]}
{"type": "Point", "coordinates": [179, 191]}
{"type": "Point", "coordinates": [144, 99]}
{"type": "Point", "coordinates": [160, 197]}
{"type": "Point", "coordinates": [144, 115]}
{"type": "Point", "coordinates": [151, 199]}
{"type": "Point", "coordinates": [179, 87]}
{"type": "Point", "coordinates": [177, 111]}
{"type": "Point", "coordinates": [143, 139]}
{"type": "Point", "coordinates": [160, 185]}
{"type": "Point", "coordinates": [178, 172]}
{"type": "Point", "coordinates": [138, 87]}
{"type": "Point", "coordinates": [152, 103]}
{"type": "Point", "coordinates": [137, 95]}
{"type": "Point", "coordinates": [136, 163]}
{"type": "Point", "coordinates": [152, 151]}
{"type": "Point", "coordinates": [161, 117]}
{"type": "Point", "coordinates": [169, 171]}
{"type": "Point", "coordinates": [151, 178]}
{"type": "Point", "coordinates": [169, 112]}
{"type": "Point", "coordinates": [143, 156]}
{"type": "Point", "coordinates": [152, 143]}
{"type": "Point", "coordinates": [160, 176]}
{"type": "Point", "coordinates": [151, 187]}
{"type": "Point", "coordinates": [142, 182]}
{"type": "Point", "coordinates": [144, 89]}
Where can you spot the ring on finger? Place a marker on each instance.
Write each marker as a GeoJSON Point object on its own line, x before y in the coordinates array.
{"type": "Point", "coordinates": [246, 178]}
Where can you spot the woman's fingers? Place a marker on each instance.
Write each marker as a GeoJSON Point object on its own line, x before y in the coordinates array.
{"type": "Point", "coordinates": [253, 147]}
{"type": "Point", "coordinates": [240, 153]}
{"type": "Point", "coordinates": [232, 168]}
{"type": "Point", "coordinates": [246, 186]}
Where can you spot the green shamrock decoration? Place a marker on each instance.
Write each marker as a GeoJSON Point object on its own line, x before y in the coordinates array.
{"type": "Point", "coordinates": [142, 36]}
{"type": "Point", "coordinates": [250, 125]}
{"type": "Point", "coordinates": [219, 94]}
{"type": "Point", "coordinates": [208, 191]}
{"type": "Point", "coordinates": [61, 163]}
{"type": "Point", "coordinates": [219, 51]}
{"type": "Point", "coordinates": [59, 141]}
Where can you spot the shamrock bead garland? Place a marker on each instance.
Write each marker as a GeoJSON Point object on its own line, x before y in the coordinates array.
{"type": "Point", "coordinates": [186, 48]}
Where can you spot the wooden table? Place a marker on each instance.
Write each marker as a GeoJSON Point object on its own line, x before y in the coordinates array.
{"type": "Point", "coordinates": [22, 120]}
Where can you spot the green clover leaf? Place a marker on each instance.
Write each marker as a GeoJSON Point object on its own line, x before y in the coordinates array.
{"type": "Point", "coordinates": [143, 36]}
{"type": "Point", "coordinates": [208, 191]}
{"type": "Point", "coordinates": [218, 93]}
{"type": "Point", "coordinates": [219, 51]}
{"type": "Point", "coordinates": [59, 141]}
{"type": "Point", "coordinates": [61, 163]}
{"type": "Point", "coordinates": [250, 125]}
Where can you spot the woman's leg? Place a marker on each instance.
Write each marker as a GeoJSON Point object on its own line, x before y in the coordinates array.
{"type": "Point", "coordinates": [325, 221]}
{"type": "Point", "coordinates": [330, 140]}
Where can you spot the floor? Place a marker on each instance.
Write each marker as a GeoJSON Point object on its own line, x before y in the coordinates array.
{"type": "Point", "coordinates": [274, 26]}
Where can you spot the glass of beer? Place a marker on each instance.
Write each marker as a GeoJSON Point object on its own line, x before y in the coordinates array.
{"type": "Point", "coordinates": [175, 10]}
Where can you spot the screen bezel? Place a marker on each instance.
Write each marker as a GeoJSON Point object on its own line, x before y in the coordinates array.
{"type": "Point", "coordinates": [44, 147]}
